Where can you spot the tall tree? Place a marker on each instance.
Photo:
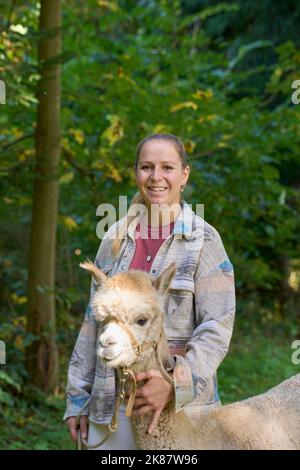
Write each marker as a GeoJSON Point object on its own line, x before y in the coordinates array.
{"type": "Point", "coordinates": [42, 354]}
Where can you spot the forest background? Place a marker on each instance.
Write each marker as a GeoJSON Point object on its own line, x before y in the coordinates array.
{"type": "Point", "coordinates": [81, 83]}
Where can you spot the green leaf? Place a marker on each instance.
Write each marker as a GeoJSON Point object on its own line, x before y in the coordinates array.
{"type": "Point", "coordinates": [245, 49]}
{"type": "Point", "coordinates": [66, 178]}
{"type": "Point", "coordinates": [208, 12]}
{"type": "Point", "coordinates": [5, 398]}
{"type": "Point", "coordinates": [4, 377]}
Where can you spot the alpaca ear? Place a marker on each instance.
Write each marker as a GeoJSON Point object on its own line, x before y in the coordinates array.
{"type": "Point", "coordinates": [98, 275]}
{"type": "Point", "coordinates": [162, 283]}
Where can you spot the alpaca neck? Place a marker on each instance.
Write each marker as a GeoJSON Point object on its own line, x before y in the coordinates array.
{"type": "Point", "coordinates": [149, 360]}
{"type": "Point", "coordinates": [193, 437]}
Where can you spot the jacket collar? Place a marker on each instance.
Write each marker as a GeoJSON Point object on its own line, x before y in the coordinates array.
{"type": "Point", "coordinates": [184, 223]}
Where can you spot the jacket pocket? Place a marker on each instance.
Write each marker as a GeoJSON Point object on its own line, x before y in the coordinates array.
{"type": "Point", "coordinates": [179, 314]}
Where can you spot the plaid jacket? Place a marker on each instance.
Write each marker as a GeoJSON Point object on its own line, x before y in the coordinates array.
{"type": "Point", "coordinates": [199, 308]}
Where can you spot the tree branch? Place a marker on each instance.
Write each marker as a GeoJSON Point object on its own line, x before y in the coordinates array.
{"type": "Point", "coordinates": [10, 12]}
{"type": "Point", "coordinates": [10, 144]}
{"type": "Point", "coordinates": [206, 153]}
{"type": "Point", "coordinates": [71, 160]}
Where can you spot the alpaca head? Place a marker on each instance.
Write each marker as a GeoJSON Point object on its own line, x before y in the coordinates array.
{"type": "Point", "coordinates": [130, 307]}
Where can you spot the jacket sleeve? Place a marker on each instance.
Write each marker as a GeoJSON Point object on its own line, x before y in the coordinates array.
{"type": "Point", "coordinates": [214, 311]}
{"type": "Point", "coordinates": [81, 372]}
{"type": "Point", "coordinates": [82, 365]}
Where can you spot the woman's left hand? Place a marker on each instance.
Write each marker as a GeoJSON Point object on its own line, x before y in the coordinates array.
{"type": "Point", "coordinates": [153, 396]}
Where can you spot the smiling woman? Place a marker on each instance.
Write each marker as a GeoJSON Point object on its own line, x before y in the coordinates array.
{"type": "Point", "coordinates": [159, 229]}
{"type": "Point", "coordinates": [161, 174]}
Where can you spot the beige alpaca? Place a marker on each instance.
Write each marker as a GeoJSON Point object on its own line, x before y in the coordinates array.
{"type": "Point", "coordinates": [132, 308]}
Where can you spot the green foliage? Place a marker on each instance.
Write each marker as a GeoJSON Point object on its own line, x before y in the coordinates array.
{"type": "Point", "coordinates": [219, 75]}
{"type": "Point", "coordinates": [34, 422]}
{"type": "Point", "coordinates": [128, 72]}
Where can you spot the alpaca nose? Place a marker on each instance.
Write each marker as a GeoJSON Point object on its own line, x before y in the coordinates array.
{"type": "Point", "coordinates": [107, 340]}
{"type": "Point", "coordinates": [110, 346]}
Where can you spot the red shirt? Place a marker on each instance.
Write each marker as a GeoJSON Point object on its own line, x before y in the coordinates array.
{"type": "Point", "coordinates": [147, 243]}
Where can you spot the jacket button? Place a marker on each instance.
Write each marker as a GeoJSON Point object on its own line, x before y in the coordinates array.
{"type": "Point", "coordinates": [153, 271]}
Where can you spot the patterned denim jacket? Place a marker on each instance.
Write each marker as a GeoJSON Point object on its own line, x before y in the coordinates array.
{"type": "Point", "coordinates": [199, 308]}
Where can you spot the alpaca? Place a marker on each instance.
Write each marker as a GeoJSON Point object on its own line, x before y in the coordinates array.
{"type": "Point", "coordinates": [130, 306]}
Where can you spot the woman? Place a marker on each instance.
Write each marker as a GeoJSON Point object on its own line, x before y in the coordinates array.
{"type": "Point", "coordinates": [200, 306]}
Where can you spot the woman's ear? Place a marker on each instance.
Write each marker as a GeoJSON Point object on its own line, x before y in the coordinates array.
{"type": "Point", "coordinates": [185, 175]}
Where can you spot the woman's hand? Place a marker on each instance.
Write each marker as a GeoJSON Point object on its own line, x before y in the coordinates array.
{"type": "Point", "coordinates": [73, 427]}
{"type": "Point", "coordinates": [153, 396]}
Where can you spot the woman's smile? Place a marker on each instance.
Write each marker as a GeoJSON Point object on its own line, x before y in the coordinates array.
{"type": "Point", "coordinates": [157, 190]}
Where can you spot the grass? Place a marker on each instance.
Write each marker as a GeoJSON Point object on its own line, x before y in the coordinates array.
{"type": "Point", "coordinates": [255, 362]}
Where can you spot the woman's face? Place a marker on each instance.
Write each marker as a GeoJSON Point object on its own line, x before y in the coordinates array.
{"type": "Point", "coordinates": [160, 174]}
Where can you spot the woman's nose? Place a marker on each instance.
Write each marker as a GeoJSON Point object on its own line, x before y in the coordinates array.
{"type": "Point", "coordinates": [156, 174]}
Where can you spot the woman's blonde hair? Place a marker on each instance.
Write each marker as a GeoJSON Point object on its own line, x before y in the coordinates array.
{"type": "Point", "coordinates": [138, 200]}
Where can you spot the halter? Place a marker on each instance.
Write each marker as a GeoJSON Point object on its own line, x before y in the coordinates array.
{"type": "Point", "coordinates": [137, 347]}
{"type": "Point", "coordinates": [126, 372]}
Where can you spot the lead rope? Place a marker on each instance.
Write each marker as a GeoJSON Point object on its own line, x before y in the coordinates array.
{"type": "Point", "coordinates": [113, 426]}
{"type": "Point", "coordinates": [81, 441]}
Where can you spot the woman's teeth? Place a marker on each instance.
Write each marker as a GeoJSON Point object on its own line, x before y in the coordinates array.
{"type": "Point", "coordinates": [157, 190]}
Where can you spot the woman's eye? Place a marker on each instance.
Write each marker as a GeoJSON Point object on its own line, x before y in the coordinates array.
{"type": "Point", "coordinates": [145, 167]}
{"type": "Point", "coordinates": [141, 321]}
{"type": "Point", "coordinates": [168, 168]}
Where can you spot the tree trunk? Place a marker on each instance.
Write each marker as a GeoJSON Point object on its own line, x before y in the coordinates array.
{"type": "Point", "coordinates": [42, 354]}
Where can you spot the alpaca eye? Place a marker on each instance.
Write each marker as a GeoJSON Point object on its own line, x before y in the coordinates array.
{"type": "Point", "coordinates": [141, 321]}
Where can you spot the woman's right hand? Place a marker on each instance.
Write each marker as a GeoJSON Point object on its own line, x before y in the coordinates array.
{"type": "Point", "coordinates": [73, 426]}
